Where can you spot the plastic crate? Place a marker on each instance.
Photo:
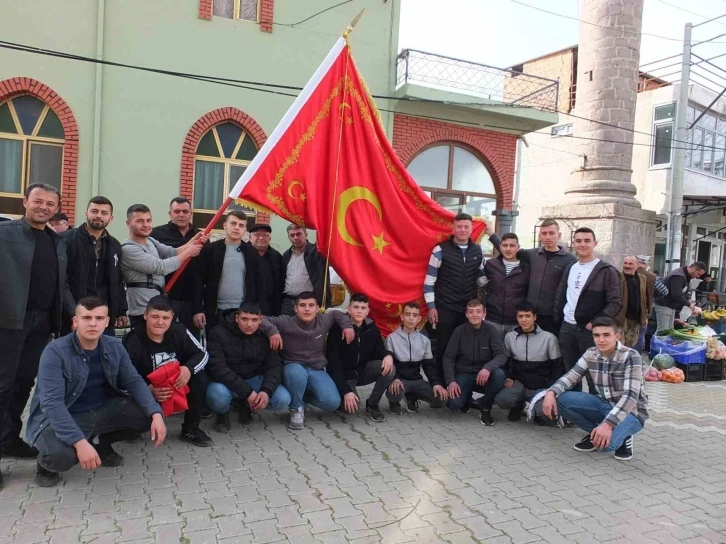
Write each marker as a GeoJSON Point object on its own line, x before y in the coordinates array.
{"type": "Point", "coordinates": [713, 370]}
{"type": "Point", "coordinates": [693, 372]}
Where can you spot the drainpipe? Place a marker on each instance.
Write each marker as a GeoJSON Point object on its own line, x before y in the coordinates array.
{"type": "Point", "coordinates": [98, 99]}
{"type": "Point", "coordinates": [517, 178]}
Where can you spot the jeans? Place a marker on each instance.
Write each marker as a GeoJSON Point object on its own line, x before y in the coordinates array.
{"type": "Point", "coordinates": [448, 321]}
{"type": "Point", "coordinates": [310, 385]}
{"type": "Point", "coordinates": [588, 411]}
{"type": "Point", "coordinates": [369, 374]}
{"type": "Point", "coordinates": [631, 332]}
{"type": "Point", "coordinates": [416, 390]}
{"type": "Point", "coordinates": [574, 341]}
{"type": "Point", "coordinates": [548, 323]}
{"type": "Point", "coordinates": [20, 349]}
{"type": "Point", "coordinates": [640, 344]}
{"type": "Point", "coordinates": [219, 397]}
{"type": "Point", "coordinates": [195, 400]}
{"type": "Point", "coordinates": [184, 313]}
{"type": "Point", "coordinates": [665, 317]}
{"type": "Point", "coordinates": [288, 305]}
{"type": "Point", "coordinates": [120, 418]}
{"type": "Point", "coordinates": [468, 385]}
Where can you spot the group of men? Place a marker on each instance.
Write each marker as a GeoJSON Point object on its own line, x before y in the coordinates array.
{"type": "Point", "coordinates": [549, 321]}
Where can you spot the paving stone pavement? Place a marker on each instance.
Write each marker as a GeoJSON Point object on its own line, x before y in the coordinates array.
{"type": "Point", "coordinates": [432, 477]}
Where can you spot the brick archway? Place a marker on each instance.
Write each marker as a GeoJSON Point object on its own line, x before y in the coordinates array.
{"type": "Point", "coordinates": [199, 129]}
{"type": "Point", "coordinates": [17, 86]}
{"type": "Point", "coordinates": [496, 149]}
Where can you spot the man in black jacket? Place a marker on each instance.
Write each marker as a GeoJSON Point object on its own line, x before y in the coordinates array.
{"type": "Point", "coordinates": [271, 268]}
{"type": "Point", "coordinates": [227, 273]}
{"type": "Point", "coordinates": [162, 341]}
{"type": "Point", "coordinates": [177, 232]}
{"type": "Point", "coordinates": [473, 363]}
{"type": "Point", "coordinates": [94, 263]}
{"type": "Point", "coordinates": [589, 288]}
{"type": "Point", "coordinates": [33, 293]}
{"type": "Point", "coordinates": [243, 367]}
{"type": "Point", "coordinates": [507, 283]}
{"type": "Point", "coordinates": [361, 362]}
{"type": "Point", "coordinates": [454, 273]}
{"type": "Point", "coordinates": [668, 308]}
{"type": "Point", "coordinates": [303, 269]}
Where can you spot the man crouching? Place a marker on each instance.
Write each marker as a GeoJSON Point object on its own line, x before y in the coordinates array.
{"type": "Point", "coordinates": [88, 396]}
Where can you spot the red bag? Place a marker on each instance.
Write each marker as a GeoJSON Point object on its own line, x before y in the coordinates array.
{"type": "Point", "coordinates": [165, 376]}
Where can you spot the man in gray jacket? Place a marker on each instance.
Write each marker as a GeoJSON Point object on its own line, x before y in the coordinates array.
{"type": "Point", "coordinates": [145, 261]}
{"type": "Point", "coordinates": [88, 396]}
{"type": "Point", "coordinates": [302, 341]}
{"type": "Point", "coordinates": [33, 294]}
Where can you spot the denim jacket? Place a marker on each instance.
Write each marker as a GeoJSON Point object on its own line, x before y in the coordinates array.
{"type": "Point", "coordinates": [62, 375]}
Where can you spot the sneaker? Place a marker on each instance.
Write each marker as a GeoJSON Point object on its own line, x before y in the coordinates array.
{"type": "Point", "coordinates": [297, 419]}
{"type": "Point", "coordinates": [412, 406]}
{"type": "Point", "coordinates": [197, 438]}
{"type": "Point", "coordinates": [221, 423]}
{"type": "Point", "coordinates": [625, 451]}
{"type": "Point", "coordinates": [244, 413]}
{"type": "Point", "coordinates": [46, 478]}
{"type": "Point", "coordinates": [109, 457]}
{"type": "Point", "coordinates": [20, 450]}
{"type": "Point", "coordinates": [585, 444]}
{"type": "Point", "coordinates": [515, 414]}
{"type": "Point", "coordinates": [374, 413]}
{"type": "Point", "coordinates": [395, 408]}
{"type": "Point", "coordinates": [485, 416]}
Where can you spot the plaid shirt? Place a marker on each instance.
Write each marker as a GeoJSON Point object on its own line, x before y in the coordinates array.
{"type": "Point", "coordinates": [618, 380]}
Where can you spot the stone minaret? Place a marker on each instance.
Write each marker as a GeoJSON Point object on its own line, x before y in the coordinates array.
{"type": "Point", "coordinates": [600, 194]}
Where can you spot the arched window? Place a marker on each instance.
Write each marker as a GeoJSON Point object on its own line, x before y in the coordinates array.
{"type": "Point", "coordinates": [223, 154]}
{"type": "Point", "coordinates": [31, 149]}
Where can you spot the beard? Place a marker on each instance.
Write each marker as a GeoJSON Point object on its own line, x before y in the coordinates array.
{"type": "Point", "coordinates": [97, 224]}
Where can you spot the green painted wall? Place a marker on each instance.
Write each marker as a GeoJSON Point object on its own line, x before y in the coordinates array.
{"type": "Point", "coordinates": [145, 117]}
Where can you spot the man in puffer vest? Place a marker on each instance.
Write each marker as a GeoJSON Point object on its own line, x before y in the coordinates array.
{"type": "Point", "coordinates": [534, 363]}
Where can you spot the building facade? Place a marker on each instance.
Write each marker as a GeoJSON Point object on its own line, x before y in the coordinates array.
{"type": "Point", "coordinates": [133, 134]}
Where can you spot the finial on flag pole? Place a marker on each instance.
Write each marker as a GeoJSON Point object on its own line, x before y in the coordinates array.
{"type": "Point", "coordinates": [354, 22]}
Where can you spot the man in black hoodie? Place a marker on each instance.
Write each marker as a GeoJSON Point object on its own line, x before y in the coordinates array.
{"type": "Point", "coordinates": [161, 341]}
{"type": "Point", "coordinates": [361, 362]}
{"type": "Point", "coordinates": [243, 367]}
{"type": "Point", "coordinates": [589, 288]}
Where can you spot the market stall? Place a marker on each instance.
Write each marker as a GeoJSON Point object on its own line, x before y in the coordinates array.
{"type": "Point", "coordinates": [690, 353]}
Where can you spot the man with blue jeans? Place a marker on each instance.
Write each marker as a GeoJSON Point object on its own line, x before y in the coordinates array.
{"type": "Point", "coordinates": [302, 340]}
{"type": "Point", "coordinates": [617, 409]}
{"type": "Point", "coordinates": [243, 367]}
{"type": "Point", "coordinates": [473, 361]}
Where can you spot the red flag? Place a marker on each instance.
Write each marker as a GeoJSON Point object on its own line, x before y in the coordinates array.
{"type": "Point", "coordinates": [165, 376]}
{"type": "Point", "coordinates": [329, 166]}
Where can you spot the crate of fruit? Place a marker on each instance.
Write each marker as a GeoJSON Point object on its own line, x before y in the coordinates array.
{"type": "Point", "coordinates": [683, 351]}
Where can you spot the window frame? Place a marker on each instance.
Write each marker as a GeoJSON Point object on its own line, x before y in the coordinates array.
{"type": "Point", "coordinates": [28, 140]}
{"type": "Point", "coordinates": [227, 164]}
{"type": "Point", "coordinates": [567, 129]}
{"type": "Point", "coordinates": [720, 123]}
{"type": "Point", "coordinates": [237, 10]}
{"type": "Point", "coordinates": [655, 124]}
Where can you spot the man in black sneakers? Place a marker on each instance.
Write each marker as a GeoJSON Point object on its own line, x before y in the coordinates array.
{"type": "Point", "coordinates": [617, 410]}
{"type": "Point", "coordinates": [88, 396]}
{"type": "Point", "coordinates": [362, 362]}
{"type": "Point", "coordinates": [473, 363]}
{"type": "Point", "coordinates": [243, 367]}
{"type": "Point", "coordinates": [162, 341]}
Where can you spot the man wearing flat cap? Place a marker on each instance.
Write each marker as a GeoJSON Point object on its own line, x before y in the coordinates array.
{"type": "Point", "coordinates": [270, 267]}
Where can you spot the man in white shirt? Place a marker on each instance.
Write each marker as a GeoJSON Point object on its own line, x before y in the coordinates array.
{"type": "Point", "coordinates": [589, 288]}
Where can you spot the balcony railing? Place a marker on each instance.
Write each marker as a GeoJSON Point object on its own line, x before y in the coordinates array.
{"type": "Point", "coordinates": [479, 80]}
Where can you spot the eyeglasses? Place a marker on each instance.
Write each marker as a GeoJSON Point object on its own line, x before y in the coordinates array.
{"type": "Point", "coordinates": [261, 235]}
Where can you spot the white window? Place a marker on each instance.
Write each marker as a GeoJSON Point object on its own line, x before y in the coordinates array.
{"type": "Point", "coordinates": [245, 10]}
{"type": "Point", "coordinates": [663, 126]}
{"type": "Point", "coordinates": [562, 130]}
{"type": "Point", "coordinates": [706, 143]}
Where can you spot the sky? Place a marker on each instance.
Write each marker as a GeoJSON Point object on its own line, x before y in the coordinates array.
{"type": "Point", "coordinates": [503, 33]}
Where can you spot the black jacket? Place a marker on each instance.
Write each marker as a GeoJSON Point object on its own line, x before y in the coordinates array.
{"type": "Point", "coordinates": [273, 277]}
{"type": "Point", "coordinates": [347, 361]}
{"type": "Point", "coordinates": [178, 345]}
{"type": "Point", "coordinates": [315, 265]}
{"type": "Point", "coordinates": [82, 268]}
{"type": "Point", "coordinates": [208, 273]}
{"type": "Point", "coordinates": [677, 283]}
{"type": "Point", "coordinates": [456, 280]}
{"type": "Point", "coordinates": [600, 296]}
{"type": "Point", "coordinates": [236, 357]}
{"type": "Point", "coordinates": [504, 292]}
{"type": "Point", "coordinates": [169, 235]}
{"type": "Point", "coordinates": [470, 350]}
{"type": "Point", "coordinates": [16, 247]}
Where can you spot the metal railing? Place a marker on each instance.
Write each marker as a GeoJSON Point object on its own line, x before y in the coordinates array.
{"type": "Point", "coordinates": [480, 80]}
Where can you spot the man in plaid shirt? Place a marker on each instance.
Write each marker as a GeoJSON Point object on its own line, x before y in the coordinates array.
{"type": "Point", "coordinates": [618, 409]}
